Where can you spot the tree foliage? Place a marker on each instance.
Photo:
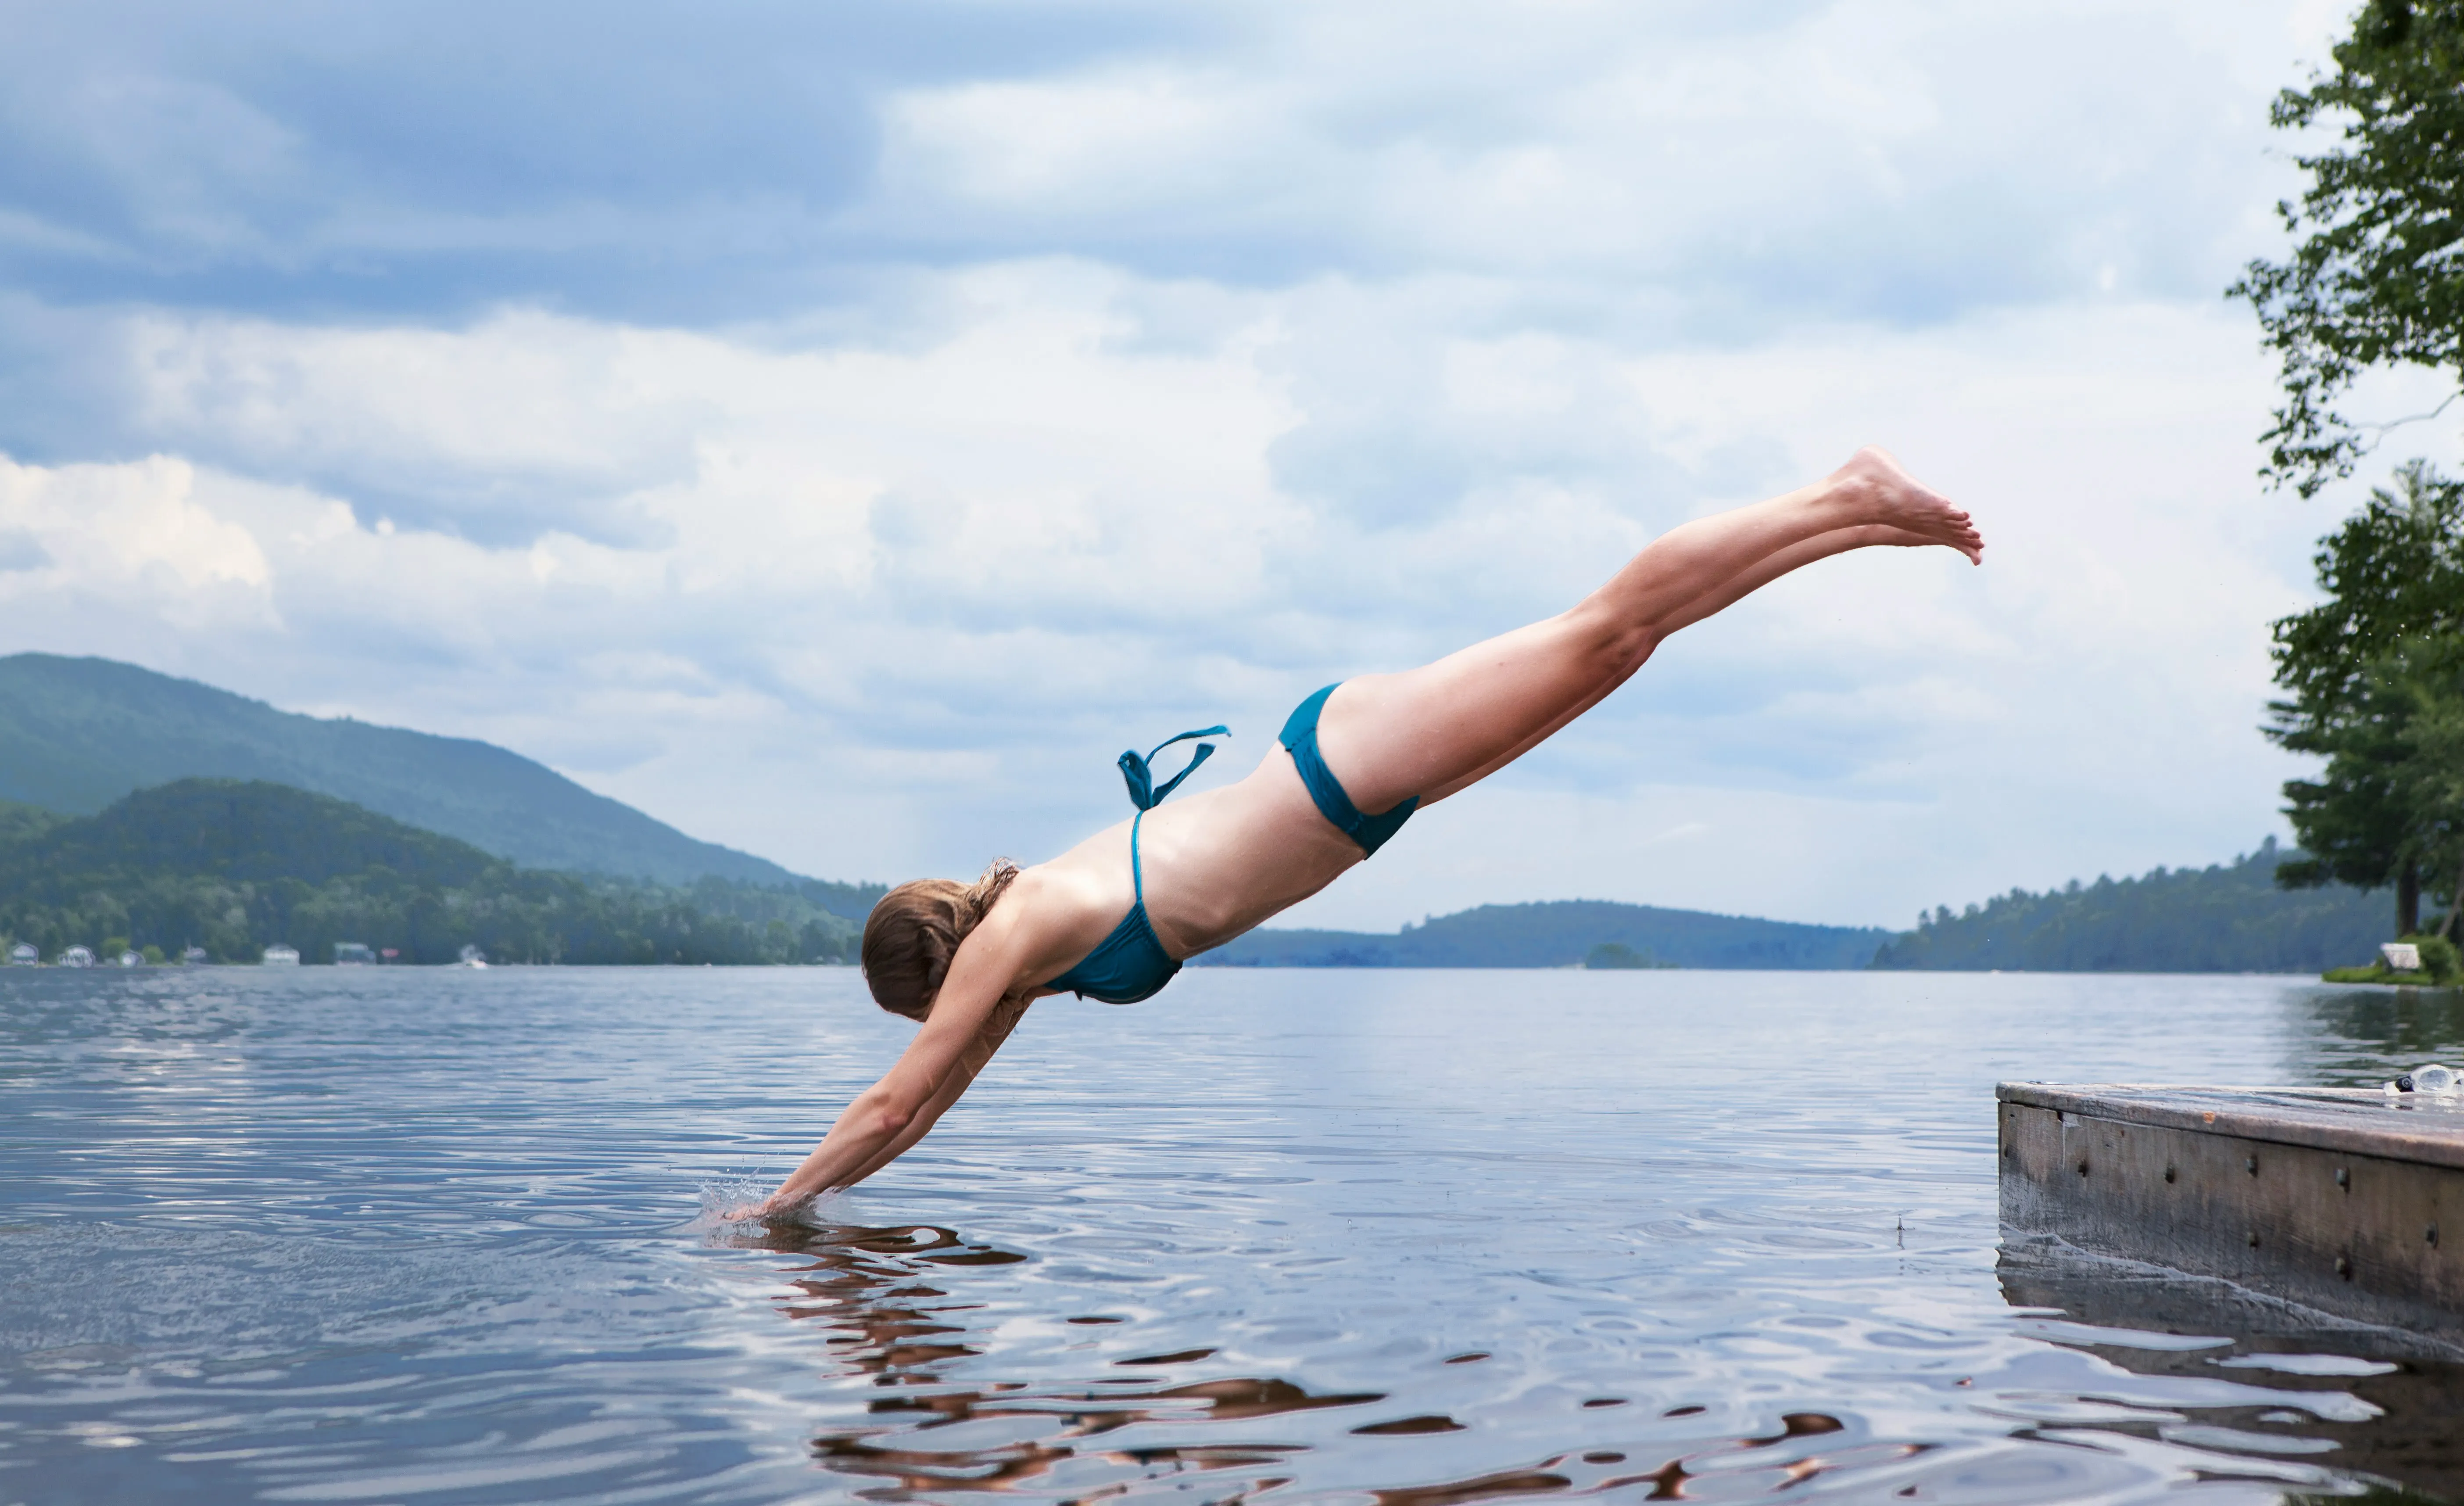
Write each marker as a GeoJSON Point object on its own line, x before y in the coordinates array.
{"type": "Point", "coordinates": [2378, 278]}
{"type": "Point", "coordinates": [2374, 684]}
{"type": "Point", "coordinates": [2228, 917]}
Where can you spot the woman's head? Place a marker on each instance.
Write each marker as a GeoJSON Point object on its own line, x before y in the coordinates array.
{"type": "Point", "coordinates": [915, 931]}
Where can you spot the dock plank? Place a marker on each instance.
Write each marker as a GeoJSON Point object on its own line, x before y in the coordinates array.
{"type": "Point", "coordinates": [2406, 1126]}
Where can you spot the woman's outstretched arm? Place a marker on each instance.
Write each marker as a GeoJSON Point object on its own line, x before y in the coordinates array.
{"type": "Point", "coordinates": [967, 1026]}
{"type": "Point", "coordinates": [1005, 1017]}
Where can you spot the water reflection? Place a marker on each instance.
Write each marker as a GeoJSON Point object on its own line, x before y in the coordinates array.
{"type": "Point", "coordinates": [2374, 1401]}
{"type": "Point", "coordinates": [897, 1330]}
{"type": "Point", "coordinates": [939, 1437]}
{"type": "Point", "coordinates": [2289, 1392]}
{"type": "Point", "coordinates": [2358, 1036]}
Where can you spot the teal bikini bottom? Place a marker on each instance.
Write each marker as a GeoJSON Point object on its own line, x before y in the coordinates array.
{"type": "Point", "coordinates": [1130, 964]}
{"type": "Point", "coordinates": [1300, 735]}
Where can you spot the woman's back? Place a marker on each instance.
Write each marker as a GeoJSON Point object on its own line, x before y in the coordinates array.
{"type": "Point", "coordinates": [1213, 865]}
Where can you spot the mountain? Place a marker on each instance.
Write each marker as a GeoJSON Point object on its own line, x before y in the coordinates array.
{"type": "Point", "coordinates": [2226, 918]}
{"type": "Point", "coordinates": [233, 865]}
{"type": "Point", "coordinates": [1561, 934]}
{"type": "Point", "coordinates": [77, 734]}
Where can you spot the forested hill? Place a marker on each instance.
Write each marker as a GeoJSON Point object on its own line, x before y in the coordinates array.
{"type": "Point", "coordinates": [77, 734]}
{"type": "Point", "coordinates": [2228, 917]}
{"type": "Point", "coordinates": [233, 867]}
{"type": "Point", "coordinates": [1561, 934]}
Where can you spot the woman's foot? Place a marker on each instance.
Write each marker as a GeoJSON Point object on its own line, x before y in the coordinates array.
{"type": "Point", "coordinates": [1881, 495]}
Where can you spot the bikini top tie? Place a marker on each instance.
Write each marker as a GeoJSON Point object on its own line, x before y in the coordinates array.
{"type": "Point", "coordinates": [1130, 964]}
{"type": "Point", "coordinates": [1139, 774]}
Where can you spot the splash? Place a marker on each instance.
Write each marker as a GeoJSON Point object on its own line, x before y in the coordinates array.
{"type": "Point", "coordinates": [729, 1204]}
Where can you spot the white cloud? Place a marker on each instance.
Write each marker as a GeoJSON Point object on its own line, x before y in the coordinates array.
{"type": "Point", "coordinates": [1760, 164]}
{"type": "Point", "coordinates": [130, 544]}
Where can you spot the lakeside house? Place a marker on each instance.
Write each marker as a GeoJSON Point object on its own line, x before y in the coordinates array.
{"type": "Point", "coordinates": [280, 956]}
{"type": "Point", "coordinates": [77, 957]}
{"type": "Point", "coordinates": [24, 955]}
{"type": "Point", "coordinates": [352, 954]}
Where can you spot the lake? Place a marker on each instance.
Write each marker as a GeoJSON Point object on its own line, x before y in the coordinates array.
{"type": "Point", "coordinates": [1401, 1238]}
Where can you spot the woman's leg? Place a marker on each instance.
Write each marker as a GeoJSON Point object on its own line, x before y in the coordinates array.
{"type": "Point", "coordinates": [1839, 541]}
{"type": "Point", "coordinates": [1432, 731]}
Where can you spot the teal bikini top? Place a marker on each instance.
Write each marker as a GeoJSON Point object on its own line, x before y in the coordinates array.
{"type": "Point", "coordinates": [1130, 964]}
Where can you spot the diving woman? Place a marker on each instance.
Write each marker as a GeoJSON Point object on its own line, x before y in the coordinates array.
{"type": "Point", "coordinates": [1113, 917]}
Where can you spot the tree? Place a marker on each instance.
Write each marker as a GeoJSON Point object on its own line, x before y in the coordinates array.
{"type": "Point", "coordinates": [2434, 775]}
{"type": "Point", "coordinates": [2379, 281]}
{"type": "Point", "coordinates": [2374, 677]}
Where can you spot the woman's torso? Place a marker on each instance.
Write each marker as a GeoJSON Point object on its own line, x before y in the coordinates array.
{"type": "Point", "coordinates": [1214, 865]}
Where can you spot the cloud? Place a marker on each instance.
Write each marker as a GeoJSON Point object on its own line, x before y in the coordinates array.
{"type": "Point", "coordinates": [840, 432]}
{"type": "Point", "coordinates": [442, 158]}
{"type": "Point", "coordinates": [124, 528]}
{"type": "Point", "coordinates": [1884, 160]}
{"type": "Point", "coordinates": [1856, 158]}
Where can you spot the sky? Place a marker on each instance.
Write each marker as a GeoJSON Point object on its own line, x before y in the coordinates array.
{"type": "Point", "coordinates": [840, 430]}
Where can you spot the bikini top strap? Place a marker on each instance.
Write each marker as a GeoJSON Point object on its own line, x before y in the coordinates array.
{"type": "Point", "coordinates": [1137, 879]}
{"type": "Point", "coordinates": [1136, 773]}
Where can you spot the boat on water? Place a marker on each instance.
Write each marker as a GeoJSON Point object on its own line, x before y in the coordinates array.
{"type": "Point", "coordinates": [472, 957]}
{"type": "Point", "coordinates": [280, 956]}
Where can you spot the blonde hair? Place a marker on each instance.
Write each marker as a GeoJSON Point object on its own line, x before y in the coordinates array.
{"type": "Point", "coordinates": [915, 931]}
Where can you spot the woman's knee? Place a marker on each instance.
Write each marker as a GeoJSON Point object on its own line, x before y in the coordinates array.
{"type": "Point", "coordinates": [1610, 644]}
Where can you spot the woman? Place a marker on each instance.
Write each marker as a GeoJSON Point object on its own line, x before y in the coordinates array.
{"type": "Point", "coordinates": [1112, 918]}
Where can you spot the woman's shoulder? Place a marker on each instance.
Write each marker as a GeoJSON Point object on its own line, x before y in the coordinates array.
{"type": "Point", "coordinates": [1057, 888]}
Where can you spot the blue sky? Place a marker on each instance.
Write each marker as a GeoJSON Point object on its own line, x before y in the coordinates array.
{"type": "Point", "coordinates": [840, 430]}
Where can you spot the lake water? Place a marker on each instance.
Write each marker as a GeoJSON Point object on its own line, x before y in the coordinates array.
{"type": "Point", "coordinates": [1407, 1238]}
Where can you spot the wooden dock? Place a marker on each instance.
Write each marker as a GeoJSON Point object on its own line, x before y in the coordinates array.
{"type": "Point", "coordinates": [2348, 1201]}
